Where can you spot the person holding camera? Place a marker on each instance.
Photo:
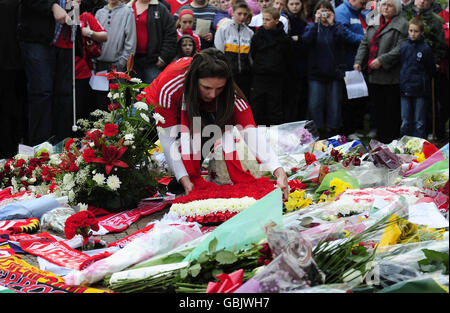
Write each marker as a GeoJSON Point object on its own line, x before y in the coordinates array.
{"type": "Point", "coordinates": [324, 39]}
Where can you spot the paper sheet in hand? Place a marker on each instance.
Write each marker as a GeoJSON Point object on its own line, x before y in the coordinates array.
{"type": "Point", "coordinates": [203, 26]}
{"type": "Point", "coordinates": [356, 85]}
{"type": "Point", "coordinates": [99, 82]}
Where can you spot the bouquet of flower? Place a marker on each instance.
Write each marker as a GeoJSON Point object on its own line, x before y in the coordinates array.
{"type": "Point", "coordinates": [81, 223]}
{"type": "Point", "coordinates": [110, 166]}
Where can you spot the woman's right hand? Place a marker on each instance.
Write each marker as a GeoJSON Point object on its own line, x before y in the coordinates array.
{"type": "Point", "coordinates": [188, 186]}
{"type": "Point", "coordinates": [357, 67]}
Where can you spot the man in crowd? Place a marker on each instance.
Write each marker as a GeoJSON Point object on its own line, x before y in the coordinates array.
{"type": "Point", "coordinates": [44, 36]}
{"type": "Point", "coordinates": [349, 13]}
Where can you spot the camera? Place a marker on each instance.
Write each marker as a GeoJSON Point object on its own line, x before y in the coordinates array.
{"type": "Point", "coordinates": [324, 14]}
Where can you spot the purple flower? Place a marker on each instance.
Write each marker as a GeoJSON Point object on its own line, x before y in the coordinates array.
{"type": "Point", "coordinates": [305, 136]}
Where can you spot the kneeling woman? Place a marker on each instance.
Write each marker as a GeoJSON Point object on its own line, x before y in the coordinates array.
{"type": "Point", "coordinates": [194, 95]}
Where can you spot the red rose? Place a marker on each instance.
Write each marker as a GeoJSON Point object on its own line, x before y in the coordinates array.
{"type": "Point", "coordinates": [221, 217]}
{"type": "Point", "coordinates": [310, 158]}
{"type": "Point", "coordinates": [199, 219]}
{"type": "Point", "coordinates": [111, 130]}
{"type": "Point", "coordinates": [113, 106]}
{"type": "Point", "coordinates": [73, 167]}
{"type": "Point", "coordinates": [19, 163]}
{"type": "Point", "coordinates": [68, 143]}
{"type": "Point", "coordinates": [113, 86]}
{"type": "Point", "coordinates": [89, 155]}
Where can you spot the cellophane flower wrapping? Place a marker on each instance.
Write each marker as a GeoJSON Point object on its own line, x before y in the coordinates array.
{"type": "Point", "coordinates": [162, 238]}
{"type": "Point", "coordinates": [56, 219]}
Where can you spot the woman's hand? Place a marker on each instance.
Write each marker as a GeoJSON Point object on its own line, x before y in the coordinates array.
{"type": "Point", "coordinates": [282, 182]}
{"type": "Point", "coordinates": [85, 31]}
{"type": "Point", "coordinates": [375, 64]}
{"type": "Point", "coordinates": [357, 67]}
{"type": "Point", "coordinates": [330, 18]}
{"type": "Point", "coordinates": [188, 186]}
{"type": "Point", "coordinates": [60, 14]}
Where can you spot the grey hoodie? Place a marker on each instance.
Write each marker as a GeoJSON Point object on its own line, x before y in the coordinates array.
{"type": "Point", "coordinates": [121, 28]}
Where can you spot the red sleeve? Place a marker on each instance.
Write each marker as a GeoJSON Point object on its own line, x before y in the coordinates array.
{"type": "Point", "coordinates": [94, 24]}
{"type": "Point", "coordinates": [166, 91]}
{"type": "Point", "coordinates": [243, 115]}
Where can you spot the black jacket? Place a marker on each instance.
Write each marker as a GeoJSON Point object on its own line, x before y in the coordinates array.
{"type": "Point", "coordinates": [9, 45]}
{"type": "Point", "coordinates": [36, 22]}
{"type": "Point", "coordinates": [417, 68]}
{"type": "Point", "coordinates": [271, 52]}
{"type": "Point", "coordinates": [162, 34]}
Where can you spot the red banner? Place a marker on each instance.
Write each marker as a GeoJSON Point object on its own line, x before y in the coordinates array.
{"type": "Point", "coordinates": [60, 253]}
{"type": "Point", "coordinates": [120, 221]}
{"type": "Point", "coordinates": [123, 242]}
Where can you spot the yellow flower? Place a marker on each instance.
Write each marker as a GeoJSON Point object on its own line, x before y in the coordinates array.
{"type": "Point", "coordinates": [158, 148]}
{"type": "Point", "coordinates": [339, 186]}
{"type": "Point", "coordinates": [420, 157]}
{"type": "Point", "coordinates": [297, 201]}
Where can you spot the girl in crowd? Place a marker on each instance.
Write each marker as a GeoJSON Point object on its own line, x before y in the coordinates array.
{"type": "Point", "coordinates": [184, 27]}
{"type": "Point", "coordinates": [297, 22]}
{"type": "Point", "coordinates": [325, 39]}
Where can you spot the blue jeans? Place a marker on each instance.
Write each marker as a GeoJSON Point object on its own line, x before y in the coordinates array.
{"type": "Point", "coordinates": [49, 84]}
{"type": "Point", "coordinates": [146, 73]}
{"type": "Point", "coordinates": [413, 112]}
{"type": "Point", "coordinates": [324, 103]}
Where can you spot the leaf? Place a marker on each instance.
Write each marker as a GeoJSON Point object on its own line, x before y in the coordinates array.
{"type": "Point", "coordinates": [216, 272]}
{"type": "Point", "coordinates": [225, 257]}
{"type": "Point", "coordinates": [183, 273]}
{"type": "Point", "coordinates": [195, 270]}
{"type": "Point", "coordinates": [203, 258]}
{"type": "Point", "coordinates": [212, 245]}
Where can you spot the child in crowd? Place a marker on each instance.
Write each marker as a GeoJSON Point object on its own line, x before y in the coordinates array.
{"type": "Point", "coordinates": [417, 68]}
{"type": "Point", "coordinates": [325, 39]}
{"type": "Point", "coordinates": [233, 38]}
{"type": "Point", "coordinates": [280, 5]}
{"type": "Point", "coordinates": [297, 22]}
{"type": "Point", "coordinates": [257, 20]}
{"type": "Point", "coordinates": [184, 26]}
{"type": "Point", "coordinates": [222, 14]}
{"type": "Point", "coordinates": [186, 47]}
{"type": "Point", "coordinates": [271, 51]}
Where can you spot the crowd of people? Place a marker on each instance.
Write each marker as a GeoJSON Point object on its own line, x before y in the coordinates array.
{"type": "Point", "coordinates": [288, 57]}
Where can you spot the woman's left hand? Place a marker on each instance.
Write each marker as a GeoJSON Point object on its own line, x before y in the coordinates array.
{"type": "Point", "coordinates": [375, 64]}
{"type": "Point", "coordinates": [282, 182]}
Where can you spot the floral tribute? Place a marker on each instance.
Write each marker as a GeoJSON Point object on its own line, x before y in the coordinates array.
{"type": "Point", "coordinates": [81, 223]}
{"type": "Point", "coordinates": [110, 166]}
{"type": "Point", "coordinates": [216, 204]}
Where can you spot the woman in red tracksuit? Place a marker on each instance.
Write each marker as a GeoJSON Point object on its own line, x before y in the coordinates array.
{"type": "Point", "coordinates": [192, 94]}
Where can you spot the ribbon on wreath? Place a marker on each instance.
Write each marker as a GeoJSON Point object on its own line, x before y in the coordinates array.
{"type": "Point", "coordinates": [228, 282]}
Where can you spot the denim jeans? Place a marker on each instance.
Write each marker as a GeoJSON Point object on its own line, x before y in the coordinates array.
{"type": "Point", "coordinates": [49, 84]}
{"type": "Point", "coordinates": [146, 73]}
{"type": "Point", "coordinates": [413, 112]}
{"type": "Point", "coordinates": [324, 103]}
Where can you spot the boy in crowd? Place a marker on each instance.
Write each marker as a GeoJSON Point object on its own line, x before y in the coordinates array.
{"type": "Point", "coordinates": [257, 20]}
{"type": "Point", "coordinates": [233, 38]}
{"type": "Point", "coordinates": [271, 52]}
{"type": "Point", "coordinates": [417, 68]}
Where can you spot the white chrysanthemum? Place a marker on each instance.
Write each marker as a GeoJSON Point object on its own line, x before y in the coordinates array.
{"type": "Point", "coordinates": [68, 181]}
{"type": "Point", "coordinates": [141, 106]}
{"type": "Point", "coordinates": [136, 80]}
{"type": "Point", "coordinates": [129, 136]}
{"type": "Point", "coordinates": [145, 117]}
{"type": "Point", "coordinates": [159, 118]}
{"type": "Point", "coordinates": [21, 156]}
{"type": "Point", "coordinates": [32, 180]}
{"type": "Point", "coordinates": [113, 182]}
{"type": "Point", "coordinates": [99, 178]}
{"type": "Point", "coordinates": [83, 206]}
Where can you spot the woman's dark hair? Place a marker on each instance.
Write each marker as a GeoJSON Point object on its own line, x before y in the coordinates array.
{"type": "Point", "coordinates": [210, 62]}
{"type": "Point", "coordinates": [325, 4]}
{"type": "Point", "coordinates": [301, 14]}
